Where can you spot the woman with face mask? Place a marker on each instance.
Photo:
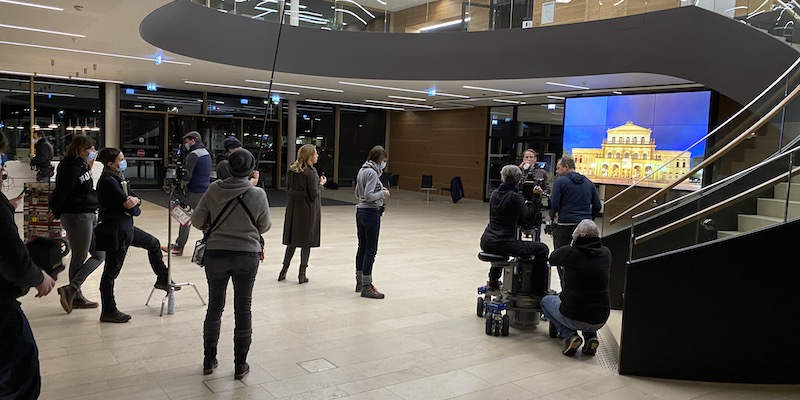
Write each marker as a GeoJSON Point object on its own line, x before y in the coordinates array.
{"type": "Point", "coordinates": [371, 194]}
{"type": "Point", "coordinates": [74, 202]}
{"type": "Point", "coordinates": [117, 208]}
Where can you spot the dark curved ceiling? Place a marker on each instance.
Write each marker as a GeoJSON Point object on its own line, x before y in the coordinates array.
{"type": "Point", "coordinates": [672, 47]}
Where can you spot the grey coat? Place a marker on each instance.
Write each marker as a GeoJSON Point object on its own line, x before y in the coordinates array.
{"type": "Point", "coordinates": [235, 231]}
{"type": "Point", "coordinates": [301, 226]}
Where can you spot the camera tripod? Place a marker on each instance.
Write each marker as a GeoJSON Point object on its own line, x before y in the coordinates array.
{"type": "Point", "coordinates": [172, 287]}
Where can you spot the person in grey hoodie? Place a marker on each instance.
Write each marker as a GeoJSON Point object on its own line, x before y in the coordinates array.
{"type": "Point", "coordinates": [370, 193]}
{"type": "Point", "coordinates": [240, 214]}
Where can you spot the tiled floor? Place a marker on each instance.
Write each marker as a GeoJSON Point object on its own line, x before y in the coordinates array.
{"type": "Point", "coordinates": [321, 340]}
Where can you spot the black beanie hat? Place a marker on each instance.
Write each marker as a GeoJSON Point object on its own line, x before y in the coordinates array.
{"type": "Point", "coordinates": [231, 142]}
{"type": "Point", "coordinates": [241, 163]}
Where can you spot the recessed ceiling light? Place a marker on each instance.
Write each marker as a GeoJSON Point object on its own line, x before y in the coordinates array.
{"type": "Point", "coordinates": [255, 89]}
{"type": "Point", "coordinates": [296, 86]}
{"type": "Point", "coordinates": [491, 90]}
{"type": "Point", "coordinates": [20, 3]}
{"type": "Point", "coordinates": [95, 53]}
{"type": "Point", "coordinates": [25, 28]}
{"type": "Point", "coordinates": [406, 98]}
{"type": "Point", "coordinates": [567, 85]}
{"type": "Point", "coordinates": [353, 104]}
{"type": "Point", "coordinates": [392, 103]}
{"type": "Point", "coordinates": [555, 97]}
{"type": "Point", "coordinates": [616, 92]}
{"type": "Point", "coordinates": [508, 101]}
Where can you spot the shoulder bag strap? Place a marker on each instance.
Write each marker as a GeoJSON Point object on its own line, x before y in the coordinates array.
{"type": "Point", "coordinates": [217, 220]}
{"type": "Point", "coordinates": [253, 220]}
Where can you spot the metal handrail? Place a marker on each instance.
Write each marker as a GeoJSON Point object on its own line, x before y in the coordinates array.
{"type": "Point", "coordinates": [719, 206]}
{"type": "Point", "coordinates": [748, 133]}
{"type": "Point", "coordinates": [710, 134]}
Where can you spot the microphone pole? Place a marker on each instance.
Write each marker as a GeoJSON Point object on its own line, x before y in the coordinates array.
{"type": "Point", "coordinates": [282, 9]}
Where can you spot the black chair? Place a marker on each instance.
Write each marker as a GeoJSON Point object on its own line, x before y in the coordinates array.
{"type": "Point", "coordinates": [394, 180]}
{"type": "Point", "coordinates": [386, 178]}
{"type": "Point", "coordinates": [456, 189]}
{"type": "Point", "coordinates": [427, 186]}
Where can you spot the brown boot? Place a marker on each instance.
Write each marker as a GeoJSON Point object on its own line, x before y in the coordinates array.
{"type": "Point", "coordinates": [67, 294]}
{"type": "Point", "coordinates": [282, 274]}
{"type": "Point", "coordinates": [301, 277]}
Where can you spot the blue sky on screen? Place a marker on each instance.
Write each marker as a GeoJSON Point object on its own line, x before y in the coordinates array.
{"type": "Point", "coordinates": [677, 119]}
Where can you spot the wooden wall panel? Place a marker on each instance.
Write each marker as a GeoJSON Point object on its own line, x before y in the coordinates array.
{"type": "Point", "coordinates": [443, 144]}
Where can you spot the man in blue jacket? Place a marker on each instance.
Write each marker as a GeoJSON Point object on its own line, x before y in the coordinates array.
{"type": "Point", "coordinates": [195, 182]}
{"type": "Point", "coordinates": [573, 198]}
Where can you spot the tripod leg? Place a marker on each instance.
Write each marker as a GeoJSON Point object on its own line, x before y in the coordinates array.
{"type": "Point", "coordinates": [198, 293]}
{"type": "Point", "coordinates": [149, 297]}
{"type": "Point", "coordinates": [163, 301]}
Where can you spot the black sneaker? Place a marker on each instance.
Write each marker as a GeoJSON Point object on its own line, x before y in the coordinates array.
{"type": "Point", "coordinates": [590, 348]}
{"type": "Point", "coordinates": [115, 317]}
{"type": "Point", "coordinates": [571, 345]}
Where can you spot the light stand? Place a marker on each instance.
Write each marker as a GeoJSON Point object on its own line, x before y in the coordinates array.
{"type": "Point", "coordinates": [169, 297]}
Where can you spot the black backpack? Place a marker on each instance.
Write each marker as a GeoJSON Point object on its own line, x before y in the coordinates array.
{"type": "Point", "coordinates": [48, 254]}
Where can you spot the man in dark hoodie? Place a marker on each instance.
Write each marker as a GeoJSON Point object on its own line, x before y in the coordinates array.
{"type": "Point", "coordinates": [195, 182]}
{"type": "Point", "coordinates": [20, 377]}
{"type": "Point", "coordinates": [573, 198]}
{"type": "Point", "coordinates": [508, 210]}
{"type": "Point", "coordinates": [584, 303]}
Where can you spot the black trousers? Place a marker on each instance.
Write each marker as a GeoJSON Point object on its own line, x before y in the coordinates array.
{"type": "Point", "coordinates": [111, 270]}
{"type": "Point", "coordinates": [20, 378]}
{"type": "Point", "coordinates": [144, 240]}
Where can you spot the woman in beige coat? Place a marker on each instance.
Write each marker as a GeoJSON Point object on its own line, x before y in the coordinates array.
{"type": "Point", "coordinates": [301, 226]}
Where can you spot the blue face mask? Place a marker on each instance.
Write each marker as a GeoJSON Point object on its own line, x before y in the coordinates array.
{"type": "Point", "coordinates": [92, 155]}
{"type": "Point", "coordinates": [122, 165]}
{"type": "Point", "coordinates": [383, 165]}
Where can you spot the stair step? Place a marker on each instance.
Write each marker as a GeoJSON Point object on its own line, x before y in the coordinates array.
{"type": "Point", "coordinates": [723, 234]}
{"type": "Point", "coordinates": [776, 208]}
{"type": "Point", "coordinates": [794, 191]}
{"type": "Point", "coordinates": [749, 222]}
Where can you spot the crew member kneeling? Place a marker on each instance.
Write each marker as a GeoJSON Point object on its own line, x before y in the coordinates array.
{"type": "Point", "coordinates": [584, 303]}
{"type": "Point", "coordinates": [508, 210]}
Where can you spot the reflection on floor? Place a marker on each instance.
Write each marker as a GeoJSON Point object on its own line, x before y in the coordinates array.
{"type": "Point", "coordinates": [321, 340]}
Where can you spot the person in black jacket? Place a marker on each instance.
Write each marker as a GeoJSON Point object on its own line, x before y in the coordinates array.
{"type": "Point", "coordinates": [117, 207]}
{"type": "Point", "coordinates": [508, 210]}
{"type": "Point", "coordinates": [74, 201]}
{"type": "Point", "coordinates": [43, 155]}
{"type": "Point", "coordinates": [584, 303]}
{"type": "Point", "coordinates": [19, 371]}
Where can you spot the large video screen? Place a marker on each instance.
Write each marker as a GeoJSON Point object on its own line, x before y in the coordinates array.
{"type": "Point", "coordinates": [626, 138]}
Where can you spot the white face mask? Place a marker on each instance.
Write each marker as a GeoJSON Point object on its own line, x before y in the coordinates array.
{"type": "Point", "coordinates": [383, 165]}
{"type": "Point", "coordinates": [187, 146]}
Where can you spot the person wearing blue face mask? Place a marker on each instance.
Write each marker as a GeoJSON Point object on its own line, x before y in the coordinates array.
{"type": "Point", "coordinates": [117, 208]}
{"type": "Point", "coordinates": [74, 202]}
{"type": "Point", "coordinates": [371, 194]}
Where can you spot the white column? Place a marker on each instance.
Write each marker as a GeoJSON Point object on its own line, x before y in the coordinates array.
{"type": "Point", "coordinates": [294, 19]}
{"type": "Point", "coordinates": [111, 117]}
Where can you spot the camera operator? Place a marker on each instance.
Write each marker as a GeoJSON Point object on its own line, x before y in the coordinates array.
{"type": "Point", "coordinates": [534, 185]}
{"type": "Point", "coordinates": [194, 181]}
{"type": "Point", "coordinates": [508, 209]}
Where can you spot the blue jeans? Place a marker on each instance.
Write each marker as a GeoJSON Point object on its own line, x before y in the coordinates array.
{"type": "Point", "coordinates": [368, 226]}
{"type": "Point", "coordinates": [566, 327]}
{"type": "Point", "coordinates": [241, 268]}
